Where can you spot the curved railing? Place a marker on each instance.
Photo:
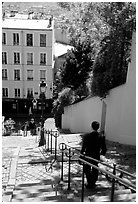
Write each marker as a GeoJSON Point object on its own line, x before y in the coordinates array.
{"type": "Point", "coordinates": [68, 152]}
{"type": "Point", "coordinates": [114, 178]}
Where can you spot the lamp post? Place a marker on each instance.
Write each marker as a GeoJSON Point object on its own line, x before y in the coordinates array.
{"type": "Point", "coordinates": [42, 95]}
{"type": "Point", "coordinates": [34, 101]}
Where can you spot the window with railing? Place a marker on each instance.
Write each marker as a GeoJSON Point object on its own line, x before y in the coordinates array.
{"type": "Point", "coordinates": [42, 40]}
{"type": "Point", "coordinates": [16, 58]}
{"type": "Point", "coordinates": [4, 58]}
{"type": "Point", "coordinates": [4, 38]}
{"type": "Point", "coordinates": [29, 39]}
{"type": "Point", "coordinates": [30, 75]}
{"type": "Point", "coordinates": [29, 58]}
{"type": "Point", "coordinates": [16, 74]}
{"type": "Point", "coordinates": [42, 75]}
{"type": "Point", "coordinates": [4, 92]}
{"type": "Point", "coordinates": [17, 93]}
{"type": "Point", "coordinates": [15, 38]}
{"type": "Point", "coordinates": [42, 58]}
{"type": "Point", "coordinates": [4, 74]}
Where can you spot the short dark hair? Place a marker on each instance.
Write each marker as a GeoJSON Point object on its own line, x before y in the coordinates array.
{"type": "Point", "coordinates": [95, 125]}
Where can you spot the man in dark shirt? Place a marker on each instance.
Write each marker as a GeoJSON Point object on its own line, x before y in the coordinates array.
{"type": "Point", "coordinates": [32, 126]}
{"type": "Point", "coordinates": [93, 145]}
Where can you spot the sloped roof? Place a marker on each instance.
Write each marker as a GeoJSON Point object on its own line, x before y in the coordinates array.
{"type": "Point", "coordinates": [61, 49]}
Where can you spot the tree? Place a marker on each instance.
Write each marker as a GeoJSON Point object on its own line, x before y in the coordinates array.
{"type": "Point", "coordinates": [83, 22]}
{"type": "Point", "coordinates": [109, 25]}
{"type": "Point", "coordinates": [77, 66]}
{"type": "Point", "coordinates": [110, 67]}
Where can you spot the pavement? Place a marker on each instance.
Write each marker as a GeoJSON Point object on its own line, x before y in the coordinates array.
{"type": "Point", "coordinates": [27, 175]}
{"type": "Point", "coordinates": [26, 172]}
{"type": "Point", "coordinates": [23, 166]}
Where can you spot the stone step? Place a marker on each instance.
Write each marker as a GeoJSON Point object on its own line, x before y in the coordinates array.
{"type": "Point", "coordinates": [119, 196]}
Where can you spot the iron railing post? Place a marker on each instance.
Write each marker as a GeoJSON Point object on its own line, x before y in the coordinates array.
{"type": "Point", "coordinates": [62, 147]}
{"type": "Point", "coordinates": [48, 140]}
{"type": "Point", "coordinates": [51, 142]}
{"type": "Point", "coordinates": [82, 191]}
{"type": "Point", "coordinates": [45, 136]}
{"type": "Point", "coordinates": [62, 164]}
{"type": "Point", "coordinates": [56, 135]}
{"type": "Point", "coordinates": [113, 184]}
{"type": "Point", "coordinates": [69, 169]}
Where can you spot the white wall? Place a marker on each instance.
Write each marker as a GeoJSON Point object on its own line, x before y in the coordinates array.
{"type": "Point", "coordinates": [113, 115]}
{"type": "Point", "coordinates": [79, 116]}
{"type": "Point", "coordinates": [128, 128]}
{"type": "Point", "coordinates": [120, 124]}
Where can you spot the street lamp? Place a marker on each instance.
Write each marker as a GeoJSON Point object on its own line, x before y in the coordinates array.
{"type": "Point", "coordinates": [34, 101]}
{"type": "Point", "coordinates": [43, 87]}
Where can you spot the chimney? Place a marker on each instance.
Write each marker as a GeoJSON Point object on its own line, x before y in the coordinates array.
{"type": "Point", "coordinates": [3, 16]}
{"type": "Point", "coordinates": [13, 13]}
{"type": "Point", "coordinates": [30, 15]}
{"type": "Point", "coordinates": [50, 21]}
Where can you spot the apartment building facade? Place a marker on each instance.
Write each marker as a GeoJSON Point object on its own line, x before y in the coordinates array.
{"type": "Point", "coordinates": [27, 59]}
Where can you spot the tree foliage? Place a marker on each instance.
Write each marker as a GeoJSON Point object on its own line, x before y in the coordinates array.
{"type": "Point", "coordinates": [109, 25]}
{"type": "Point", "coordinates": [77, 66]}
{"type": "Point", "coordinates": [83, 22]}
{"type": "Point", "coordinates": [110, 67]}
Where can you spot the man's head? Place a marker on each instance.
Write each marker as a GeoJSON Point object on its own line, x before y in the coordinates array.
{"type": "Point", "coordinates": [95, 125]}
{"type": "Point", "coordinates": [32, 120]}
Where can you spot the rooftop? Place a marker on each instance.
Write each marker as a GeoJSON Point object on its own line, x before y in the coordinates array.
{"type": "Point", "coordinates": [26, 24]}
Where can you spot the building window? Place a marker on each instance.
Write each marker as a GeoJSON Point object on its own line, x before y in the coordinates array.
{"type": "Point", "coordinates": [4, 38]}
{"type": "Point", "coordinates": [29, 58]}
{"type": "Point", "coordinates": [4, 58]}
{"type": "Point", "coordinates": [5, 92]}
{"type": "Point", "coordinates": [30, 93]}
{"type": "Point", "coordinates": [16, 74]}
{"type": "Point", "coordinates": [29, 39]}
{"type": "Point", "coordinates": [17, 93]}
{"type": "Point", "coordinates": [4, 74]}
{"type": "Point", "coordinates": [14, 106]}
{"type": "Point", "coordinates": [30, 75]}
{"type": "Point", "coordinates": [42, 40]}
{"type": "Point", "coordinates": [42, 58]}
{"type": "Point", "coordinates": [16, 58]}
{"type": "Point", "coordinates": [42, 75]}
{"type": "Point", "coordinates": [15, 38]}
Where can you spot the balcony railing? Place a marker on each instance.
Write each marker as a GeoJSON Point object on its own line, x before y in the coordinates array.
{"type": "Point", "coordinates": [30, 78]}
{"type": "Point", "coordinates": [4, 78]}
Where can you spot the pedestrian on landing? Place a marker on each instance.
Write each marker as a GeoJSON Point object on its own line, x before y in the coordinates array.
{"type": "Point", "coordinates": [32, 127]}
{"type": "Point", "coordinates": [25, 128]}
{"type": "Point", "coordinates": [93, 145]}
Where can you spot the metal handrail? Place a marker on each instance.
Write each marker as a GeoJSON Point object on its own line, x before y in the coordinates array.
{"type": "Point", "coordinates": [117, 169]}
{"type": "Point", "coordinates": [65, 147]}
{"type": "Point", "coordinates": [49, 143]}
{"type": "Point", "coordinates": [133, 187]}
{"type": "Point", "coordinates": [106, 164]}
{"type": "Point", "coordinates": [112, 175]}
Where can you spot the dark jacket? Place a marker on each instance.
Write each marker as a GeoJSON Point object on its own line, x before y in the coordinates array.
{"type": "Point", "coordinates": [32, 126]}
{"type": "Point", "coordinates": [93, 145]}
